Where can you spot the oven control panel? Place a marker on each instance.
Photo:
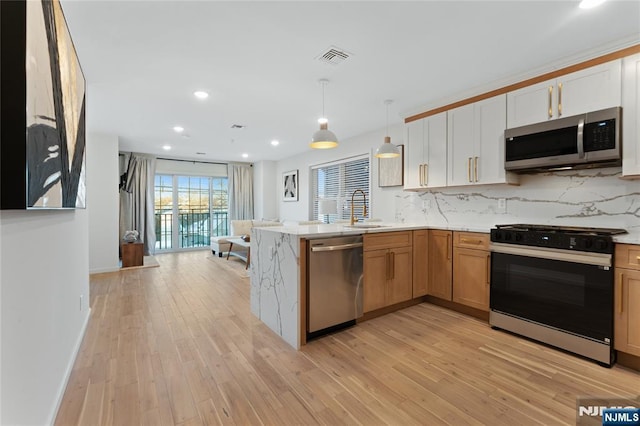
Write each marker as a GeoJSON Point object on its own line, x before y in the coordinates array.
{"type": "Point", "coordinates": [554, 239]}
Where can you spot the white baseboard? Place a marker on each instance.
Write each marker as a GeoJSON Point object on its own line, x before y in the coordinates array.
{"type": "Point", "coordinates": [103, 270]}
{"type": "Point", "coordinates": [67, 373]}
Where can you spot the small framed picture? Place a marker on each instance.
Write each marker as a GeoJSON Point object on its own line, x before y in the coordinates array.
{"type": "Point", "coordinates": [290, 186]}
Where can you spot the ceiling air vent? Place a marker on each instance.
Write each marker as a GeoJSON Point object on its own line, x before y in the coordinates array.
{"type": "Point", "coordinates": [333, 55]}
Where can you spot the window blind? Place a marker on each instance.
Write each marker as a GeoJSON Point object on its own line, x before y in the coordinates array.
{"type": "Point", "coordinates": [338, 181]}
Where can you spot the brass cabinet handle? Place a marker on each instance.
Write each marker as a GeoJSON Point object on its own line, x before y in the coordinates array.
{"type": "Point", "coordinates": [638, 258]}
{"type": "Point", "coordinates": [420, 174]}
{"type": "Point", "coordinates": [559, 99]}
{"type": "Point", "coordinates": [550, 101]}
{"type": "Point", "coordinates": [488, 268]}
{"type": "Point", "coordinates": [468, 241]}
{"type": "Point", "coordinates": [448, 246]}
{"type": "Point", "coordinates": [469, 169]}
{"type": "Point", "coordinates": [425, 171]}
{"type": "Point", "coordinates": [475, 168]}
{"type": "Point", "coordinates": [387, 258]}
{"type": "Point", "coordinates": [620, 295]}
{"type": "Point", "coordinates": [393, 265]}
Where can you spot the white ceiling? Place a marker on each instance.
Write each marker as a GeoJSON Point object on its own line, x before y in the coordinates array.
{"type": "Point", "coordinates": [143, 59]}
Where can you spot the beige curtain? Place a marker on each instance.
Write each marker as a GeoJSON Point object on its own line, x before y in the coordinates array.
{"type": "Point", "coordinates": [240, 191]}
{"type": "Point", "coordinates": [137, 198]}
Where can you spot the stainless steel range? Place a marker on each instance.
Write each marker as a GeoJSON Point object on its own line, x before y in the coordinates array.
{"type": "Point", "coordinates": [555, 284]}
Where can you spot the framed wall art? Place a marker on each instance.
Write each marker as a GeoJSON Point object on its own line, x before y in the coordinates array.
{"type": "Point", "coordinates": [391, 170]}
{"type": "Point", "coordinates": [43, 109]}
{"type": "Point", "coordinates": [290, 186]}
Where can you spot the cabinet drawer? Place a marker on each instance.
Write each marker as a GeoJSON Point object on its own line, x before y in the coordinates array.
{"type": "Point", "coordinates": [473, 240]}
{"type": "Point", "coordinates": [385, 240]}
{"type": "Point", "coordinates": [628, 256]}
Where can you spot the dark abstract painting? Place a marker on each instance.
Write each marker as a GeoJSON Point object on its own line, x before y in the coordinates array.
{"type": "Point", "coordinates": [55, 111]}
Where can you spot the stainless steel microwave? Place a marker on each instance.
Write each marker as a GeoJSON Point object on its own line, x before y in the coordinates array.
{"type": "Point", "coordinates": [581, 141]}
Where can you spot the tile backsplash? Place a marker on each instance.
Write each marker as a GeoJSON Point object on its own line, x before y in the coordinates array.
{"type": "Point", "coordinates": [594, 198]}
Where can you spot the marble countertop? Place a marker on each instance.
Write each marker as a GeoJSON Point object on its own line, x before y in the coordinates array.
{"type": "Point", "coordinates": [633, 237]}
{"type": "Point", "coordinates": [326, 230]}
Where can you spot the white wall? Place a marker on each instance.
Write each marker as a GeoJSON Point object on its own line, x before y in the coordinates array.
{"type": "Point", "coordinates": [102, 202]}
{"type": "Point", "coordinates": [44, 271]}
{"type": "Point", "coordinates": [264, 192]}
{"type": "Point", "coordinates": [382, 199]}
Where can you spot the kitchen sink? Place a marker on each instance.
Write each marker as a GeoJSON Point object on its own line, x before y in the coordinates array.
{"type": "Point", "coordinates": [365, 225]}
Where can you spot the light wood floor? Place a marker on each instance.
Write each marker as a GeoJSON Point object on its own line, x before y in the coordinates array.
{"type": "Point", "coordinates": [178, 345]}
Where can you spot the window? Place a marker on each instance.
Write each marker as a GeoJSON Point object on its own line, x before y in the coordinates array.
{"type": "Point", "coordinates": [338, 181]}
{"type": "Point", "coordinates": [189, 210]}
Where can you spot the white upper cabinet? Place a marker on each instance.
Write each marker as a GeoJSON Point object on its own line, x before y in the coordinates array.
{"type": "Point", "coordinates": [426, 153]}
{"type": "Point", "coordinates": [476, 143]}
{"type": "Point", "coordinates": [591, 89]}
{"type": "Point", "coordinates": [414, 154]}
{"type": "Point", "coordinates": [631, 117]}
{"type": "Point", "coordinates": [461, 145]}
{"type": "Point", "coordinates": [490, 123]}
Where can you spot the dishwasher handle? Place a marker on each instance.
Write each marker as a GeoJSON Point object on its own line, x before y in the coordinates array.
{"type": "Point", "coordinates": [335, 248]}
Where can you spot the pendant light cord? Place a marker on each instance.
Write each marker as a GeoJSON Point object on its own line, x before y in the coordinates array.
{"type": "Point", "coordinates": [387, 103]}
{"type": "Point", "coordinates": [323, 84]}
{"type": "Point", "coordinates": [387, 118]}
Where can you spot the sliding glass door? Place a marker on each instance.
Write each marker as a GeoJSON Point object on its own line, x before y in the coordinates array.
{"type": "Point", "coordinates": [193, 211]}
{"type": "Point", "coordinates": [189, 209]}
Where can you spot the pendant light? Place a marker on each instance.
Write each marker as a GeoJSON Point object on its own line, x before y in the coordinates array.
{"type": "Point", "coordinates": [387, 149]}
{"type": "Point", "coordinates": [323, 138]}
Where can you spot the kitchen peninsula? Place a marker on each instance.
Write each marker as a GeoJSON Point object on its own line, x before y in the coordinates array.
{"type": "Point", "coordinates": [278, 271]}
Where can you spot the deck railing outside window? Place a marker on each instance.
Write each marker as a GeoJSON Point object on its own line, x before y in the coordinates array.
{"type": "Point", "coordinates": [194, 228]}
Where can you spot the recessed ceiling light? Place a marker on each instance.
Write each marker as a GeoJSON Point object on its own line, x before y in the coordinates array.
{"type": "Point", "coordinates": [322, 120]}
{"type": "Point", "coordinates": [166, 147]}
{"type": "Point", "coordinates": [201, 94]}
{"type": "Point", "coordinates": [245, 155]}
{"type": "Point", "coordinates": [275, 142]}
{"type": "Point", "coordinates": [588, 4]}
{"type": "Point", "coordinates": [178, 129]}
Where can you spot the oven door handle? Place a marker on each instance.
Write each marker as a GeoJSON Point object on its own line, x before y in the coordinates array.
{"type": "Point", "coordinates": [587, 258]}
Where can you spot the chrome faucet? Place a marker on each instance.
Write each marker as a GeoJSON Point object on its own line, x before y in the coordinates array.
{"type": "Point", "coordinates": [364, 205]}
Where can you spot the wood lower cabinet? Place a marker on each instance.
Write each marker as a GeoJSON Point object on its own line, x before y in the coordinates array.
{"type": "Point", "coordinates": [399, 286]}
{"type": "Point", "coordinates": [387, 271]}
{"type": "Point", "coordinates": [440, 264]}
{"type": "Point", "coordinates": [471, 269]}
{"type": "Point", "coordinates": [375, 266]}
{"type": "Point", "coordinates": [627, 299]}
{"type": "Point", "coordinates": [420, 262]}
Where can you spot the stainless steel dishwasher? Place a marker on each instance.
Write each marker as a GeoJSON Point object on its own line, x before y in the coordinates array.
{"type": "Point", "coordinates": [334, 292]}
